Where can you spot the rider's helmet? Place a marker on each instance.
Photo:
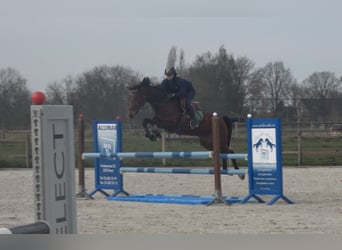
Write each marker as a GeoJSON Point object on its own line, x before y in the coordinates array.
{"type": "Point", "coordinates": [170, 71]}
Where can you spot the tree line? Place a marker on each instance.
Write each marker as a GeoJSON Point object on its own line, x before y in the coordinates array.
{"type": "Point", "coordinates": [224, 83]}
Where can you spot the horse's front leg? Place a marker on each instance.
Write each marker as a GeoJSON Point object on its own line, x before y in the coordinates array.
{"type": "Point", "coordinates": [155, 131]}
{"type": "Point", "coordinates": [151, 129]}
{"type": "Point", "coordinates": [148, 122]}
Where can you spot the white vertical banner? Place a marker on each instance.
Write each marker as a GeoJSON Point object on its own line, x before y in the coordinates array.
{"type": "Point", "coordinates": [53, 163]}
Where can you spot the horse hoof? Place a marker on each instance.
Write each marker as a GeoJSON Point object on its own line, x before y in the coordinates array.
{"type": "Point", "coordinates": [153, 138]}
{"type": "Point", "coordinates": [241, 176]}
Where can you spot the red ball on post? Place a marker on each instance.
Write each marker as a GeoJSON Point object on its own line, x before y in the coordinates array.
{"type": "Point", "coordinates": [38, 98]}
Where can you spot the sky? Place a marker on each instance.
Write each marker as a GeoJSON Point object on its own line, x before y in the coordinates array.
{"type": "Point", "coordinates": [48, 40]}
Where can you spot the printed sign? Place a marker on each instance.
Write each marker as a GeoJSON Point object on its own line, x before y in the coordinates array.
{"type": "Point", "coordinates": [265, 159]}
{"type": "Point", "coordinates": [107, 139]}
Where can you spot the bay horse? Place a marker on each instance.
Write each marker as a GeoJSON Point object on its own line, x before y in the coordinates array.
{"type": "Point", "coordinates": [170, 117]}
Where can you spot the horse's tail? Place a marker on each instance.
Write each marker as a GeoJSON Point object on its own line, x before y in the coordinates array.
{"type": "Point", "coordinates": [229, 125]}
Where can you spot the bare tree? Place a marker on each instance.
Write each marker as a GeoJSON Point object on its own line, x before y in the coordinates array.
{"type": "Point", "coordinates": [321, 85]}
{"type": "Point", "coordinates": [321, 91]}
{"type": "Point", "coordinates": [254, 97]}
{"type": "Point", "coordinates": [220, 80]}
{"type": "Point", "coordinates": [61, 92]}
{"type": "Point", "coordinates": [172, 57]}
{"type": "Point", "coordinates": [273, 82]}
{"type": "Point", "coordinates": [14, 99]}
{"type": "Point", "coordinates": [181, 62]}
{"type": "Point", "coordinates": [242, 75]}
{"type": "Point", "coordinates": [101, 93]}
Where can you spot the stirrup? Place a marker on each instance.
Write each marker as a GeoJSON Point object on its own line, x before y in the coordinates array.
{"type": "Point", "coordinates": [194, 124]}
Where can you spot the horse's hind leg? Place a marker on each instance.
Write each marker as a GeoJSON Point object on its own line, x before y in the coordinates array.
{"type": "Point", "coordinates": [236, 166]}
{"type": "Point", "coordinates": [224, 164]}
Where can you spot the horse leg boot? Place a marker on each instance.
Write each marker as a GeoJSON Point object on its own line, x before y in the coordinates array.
{"type": "Point", "coordinates": [193, 122]}
{"type": "Point", "coordinates": [190, 110]}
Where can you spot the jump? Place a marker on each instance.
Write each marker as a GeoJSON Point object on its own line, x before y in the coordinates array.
{"type": "Point", "coordinates": [169, 115]}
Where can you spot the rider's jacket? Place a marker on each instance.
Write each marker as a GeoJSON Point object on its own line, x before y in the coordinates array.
{"type": "Point", "coordinates": [177, 86]}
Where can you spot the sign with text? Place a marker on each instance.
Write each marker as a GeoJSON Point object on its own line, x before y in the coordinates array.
{"type": "Point", "coordinates": [265, 159]}
{"type": "Point", "coordinates": [107, 139]}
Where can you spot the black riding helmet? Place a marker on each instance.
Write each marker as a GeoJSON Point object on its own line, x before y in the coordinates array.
{"type": "Point", "coordinates": [170, 71]}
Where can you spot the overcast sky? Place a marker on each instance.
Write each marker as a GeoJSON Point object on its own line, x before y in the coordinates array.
{"type": "Point", "coordinates": [47, 40]}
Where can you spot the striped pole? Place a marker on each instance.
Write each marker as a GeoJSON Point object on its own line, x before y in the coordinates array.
{"type": "Point", "coordinates": [179, 170]}
{"type": "Point", "coordinates": [193, 155]}
{"type": "Point", "coordinates": [234, 156]}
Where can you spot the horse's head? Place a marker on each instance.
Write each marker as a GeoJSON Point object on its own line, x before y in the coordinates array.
{"type": "Point", "coordinates": [138, 97]}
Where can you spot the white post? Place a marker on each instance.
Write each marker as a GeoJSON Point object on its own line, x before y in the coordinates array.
{"type": "Point", "coordinates": [163, 146]}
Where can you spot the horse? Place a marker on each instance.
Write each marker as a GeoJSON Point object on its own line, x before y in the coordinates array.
{"type": "Point", "coordinates": [170, 116]}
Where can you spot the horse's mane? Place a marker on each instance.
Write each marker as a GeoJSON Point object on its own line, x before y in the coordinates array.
{"type": "Point", "coordinates": [152, 91]}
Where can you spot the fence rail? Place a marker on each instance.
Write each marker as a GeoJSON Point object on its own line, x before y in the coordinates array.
{"type": "Point", "coordinates": [303, 144]}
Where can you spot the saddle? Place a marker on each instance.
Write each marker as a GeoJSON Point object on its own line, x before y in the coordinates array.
{"type": "Point", "coordinates": [195, 105]}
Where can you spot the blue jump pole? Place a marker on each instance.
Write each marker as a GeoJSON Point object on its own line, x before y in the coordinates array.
{"type": "Point", "coordinates": [234, 156]}
{"type": "Point", "coordinates": [193, 155]}
{"type": "Point", "coordinates": [179, 171]}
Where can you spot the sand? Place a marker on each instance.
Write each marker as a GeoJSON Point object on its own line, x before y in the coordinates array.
{"type": "Point", "coordinates": [316, 191]}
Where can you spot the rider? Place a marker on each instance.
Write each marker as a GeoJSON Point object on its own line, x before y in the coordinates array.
{"type": "Point", "coordinates": [177, 87]}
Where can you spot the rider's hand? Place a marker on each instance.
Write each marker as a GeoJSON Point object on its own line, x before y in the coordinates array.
{"type": "Point", "coordinates": [171, 95]}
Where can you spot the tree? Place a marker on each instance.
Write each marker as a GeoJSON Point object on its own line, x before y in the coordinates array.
{"type": "Point", "coordinates": [321, 85]}
{"type": "Point", "coordinates": [202, 74]}
{"type": "Point", "coordinates": [14, 99]}
{"type": "Point", "coordinates": [172, 57]}
{"type": "Point", "coordinates": [241, 76]}
{"type": "Point", "coordinates": [181, 63]}
{"type": "Point", "coordinates": [254, 97]}
{"type": "Point", "coordinates": [101, 92]}
{"type": "Point", "coordinates": [61, 92]}
{"type": "Point", "coordinates": [172, 60]}
{"type": "Point", "coordinates": [319, 91]}
{"type": "Point", "coordinates": [273, 82]}
{"type": "Point", "coordinates": [220, 81]}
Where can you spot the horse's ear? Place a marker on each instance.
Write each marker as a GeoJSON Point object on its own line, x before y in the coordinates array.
{"type": "Point", "coordinates": [146, 81]}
